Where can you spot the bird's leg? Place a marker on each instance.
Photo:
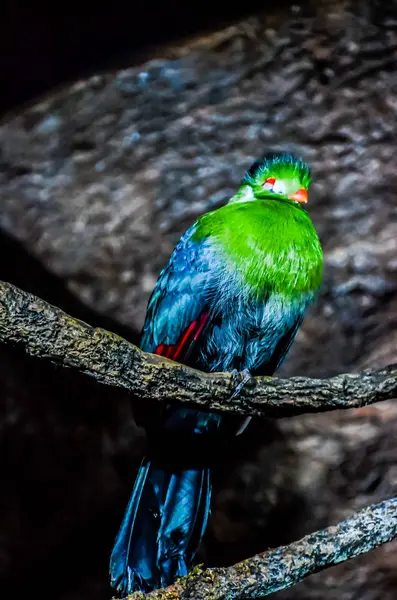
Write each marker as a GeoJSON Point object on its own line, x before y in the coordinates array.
{"type": "Point", "coordinates": [240, 378]}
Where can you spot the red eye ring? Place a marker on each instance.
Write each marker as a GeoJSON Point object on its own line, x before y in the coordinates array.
{"type": "Point", "coordinates": [270, 180]}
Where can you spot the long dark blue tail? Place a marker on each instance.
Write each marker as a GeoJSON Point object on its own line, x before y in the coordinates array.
{"type": "Point", "coordinates": [167, 514]}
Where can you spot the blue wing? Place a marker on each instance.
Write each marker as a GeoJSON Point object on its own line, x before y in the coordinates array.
{"type": "Point", "coordinates": [177, 312]}
{"type": "Point", "coordinates": [168, 511]}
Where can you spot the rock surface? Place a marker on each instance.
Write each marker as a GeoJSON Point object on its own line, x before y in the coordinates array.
{"type": "Point", "coordinates": [98, 181]}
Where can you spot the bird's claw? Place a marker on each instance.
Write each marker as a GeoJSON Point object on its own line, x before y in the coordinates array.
{"type": "Point", "coordinates": [240, 378]}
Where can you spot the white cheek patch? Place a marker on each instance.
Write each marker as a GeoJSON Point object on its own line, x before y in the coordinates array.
{"type": "Point", "coordinates": [279, 188]}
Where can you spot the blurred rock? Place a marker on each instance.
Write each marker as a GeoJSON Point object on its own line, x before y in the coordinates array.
{"type": "Point", "coordinates": [98, 181]}
{"type": "Point", "coordinates": [101, 178]}
{"type": "Point", "coordinates": [41, 47]}
{"type": "Point", "coordinates": [347, 461]}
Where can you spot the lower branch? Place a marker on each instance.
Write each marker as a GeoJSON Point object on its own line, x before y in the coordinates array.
{"type": "Point", "coordinates": [286, 566]}
{"type": "Point", "coordinates": [45, 331]}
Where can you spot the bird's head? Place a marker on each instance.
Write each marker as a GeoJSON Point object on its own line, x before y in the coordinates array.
{"type": "Point", "coordinates": [279, 176]}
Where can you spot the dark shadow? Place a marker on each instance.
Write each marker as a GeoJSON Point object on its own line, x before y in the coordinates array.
{"type": "Point", "coordinates": [19, 267]}
{"type": "Point", "coordinates": [44, 44]}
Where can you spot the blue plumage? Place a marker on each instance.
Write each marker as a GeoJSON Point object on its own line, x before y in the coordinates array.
{"type": "Point", "coordinates": [168, 510]}
{"type": "Point", "coordinates": [215, 312]}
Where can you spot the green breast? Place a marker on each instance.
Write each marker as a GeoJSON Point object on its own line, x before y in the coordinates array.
{"type": "Point", "coordinates": [271, 244]}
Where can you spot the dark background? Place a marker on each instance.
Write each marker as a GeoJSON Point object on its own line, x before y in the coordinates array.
{"type": "Point", "coordinates": [97, 182]}
{"type": "Point", "coordinates": [45, 44]}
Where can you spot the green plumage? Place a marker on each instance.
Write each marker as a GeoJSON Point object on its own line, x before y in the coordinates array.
{"type": "Point", "coordinates": [281, 166]}
{"type": "Point", "coordinates": [272, 244]}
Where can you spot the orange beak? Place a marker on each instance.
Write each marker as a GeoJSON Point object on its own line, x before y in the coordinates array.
{"type": "Point", "coordinates": [300, 196]}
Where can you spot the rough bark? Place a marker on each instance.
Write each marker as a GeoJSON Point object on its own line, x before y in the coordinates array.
{"type": "Point", "coordinates": [47, 332]}
{"type": "Point", "coordinates": [284, 567]}
{"type": "Point", "coordinates": [101, 178]}
{"type": "Point", "coordinates": [97, 181]}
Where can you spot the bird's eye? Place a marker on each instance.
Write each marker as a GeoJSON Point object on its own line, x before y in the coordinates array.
{"type": "Point", "coordinates": [279, 188]}
{"type": "Point", "coordinates": [269, 183]}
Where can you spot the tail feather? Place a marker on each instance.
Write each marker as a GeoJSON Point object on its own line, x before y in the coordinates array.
{"type": "Point", "coordinates": [162, 528]}
{"type": "Point", "coordinates": [129, 546]}
{"type": "Point", "coordinates": [168, 510]}
{"type": "Point", "coordinates": [183, 524]}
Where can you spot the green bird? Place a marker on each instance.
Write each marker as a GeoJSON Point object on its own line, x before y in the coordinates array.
{"type": "Point", "coordinates": [231, 298]}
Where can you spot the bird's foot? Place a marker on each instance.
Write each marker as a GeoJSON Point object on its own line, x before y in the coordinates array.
{"type": "Point", "coordinates": [240, 378]}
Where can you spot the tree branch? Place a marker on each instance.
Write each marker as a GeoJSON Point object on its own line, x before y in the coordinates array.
{"type": "Point", "coordinates": [286, 566]}
{"type": "Point", "coordinates": [47, 332]}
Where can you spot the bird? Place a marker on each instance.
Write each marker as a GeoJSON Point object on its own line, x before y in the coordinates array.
{"type": "Point", "coordinates": [231, 298]}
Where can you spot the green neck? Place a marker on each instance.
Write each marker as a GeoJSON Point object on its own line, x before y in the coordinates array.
{"type": "Point", "coordinates": [272, 244]}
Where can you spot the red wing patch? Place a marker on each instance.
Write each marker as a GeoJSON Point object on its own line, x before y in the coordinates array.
{"type": "Point", "coordinates": [185, 340]}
